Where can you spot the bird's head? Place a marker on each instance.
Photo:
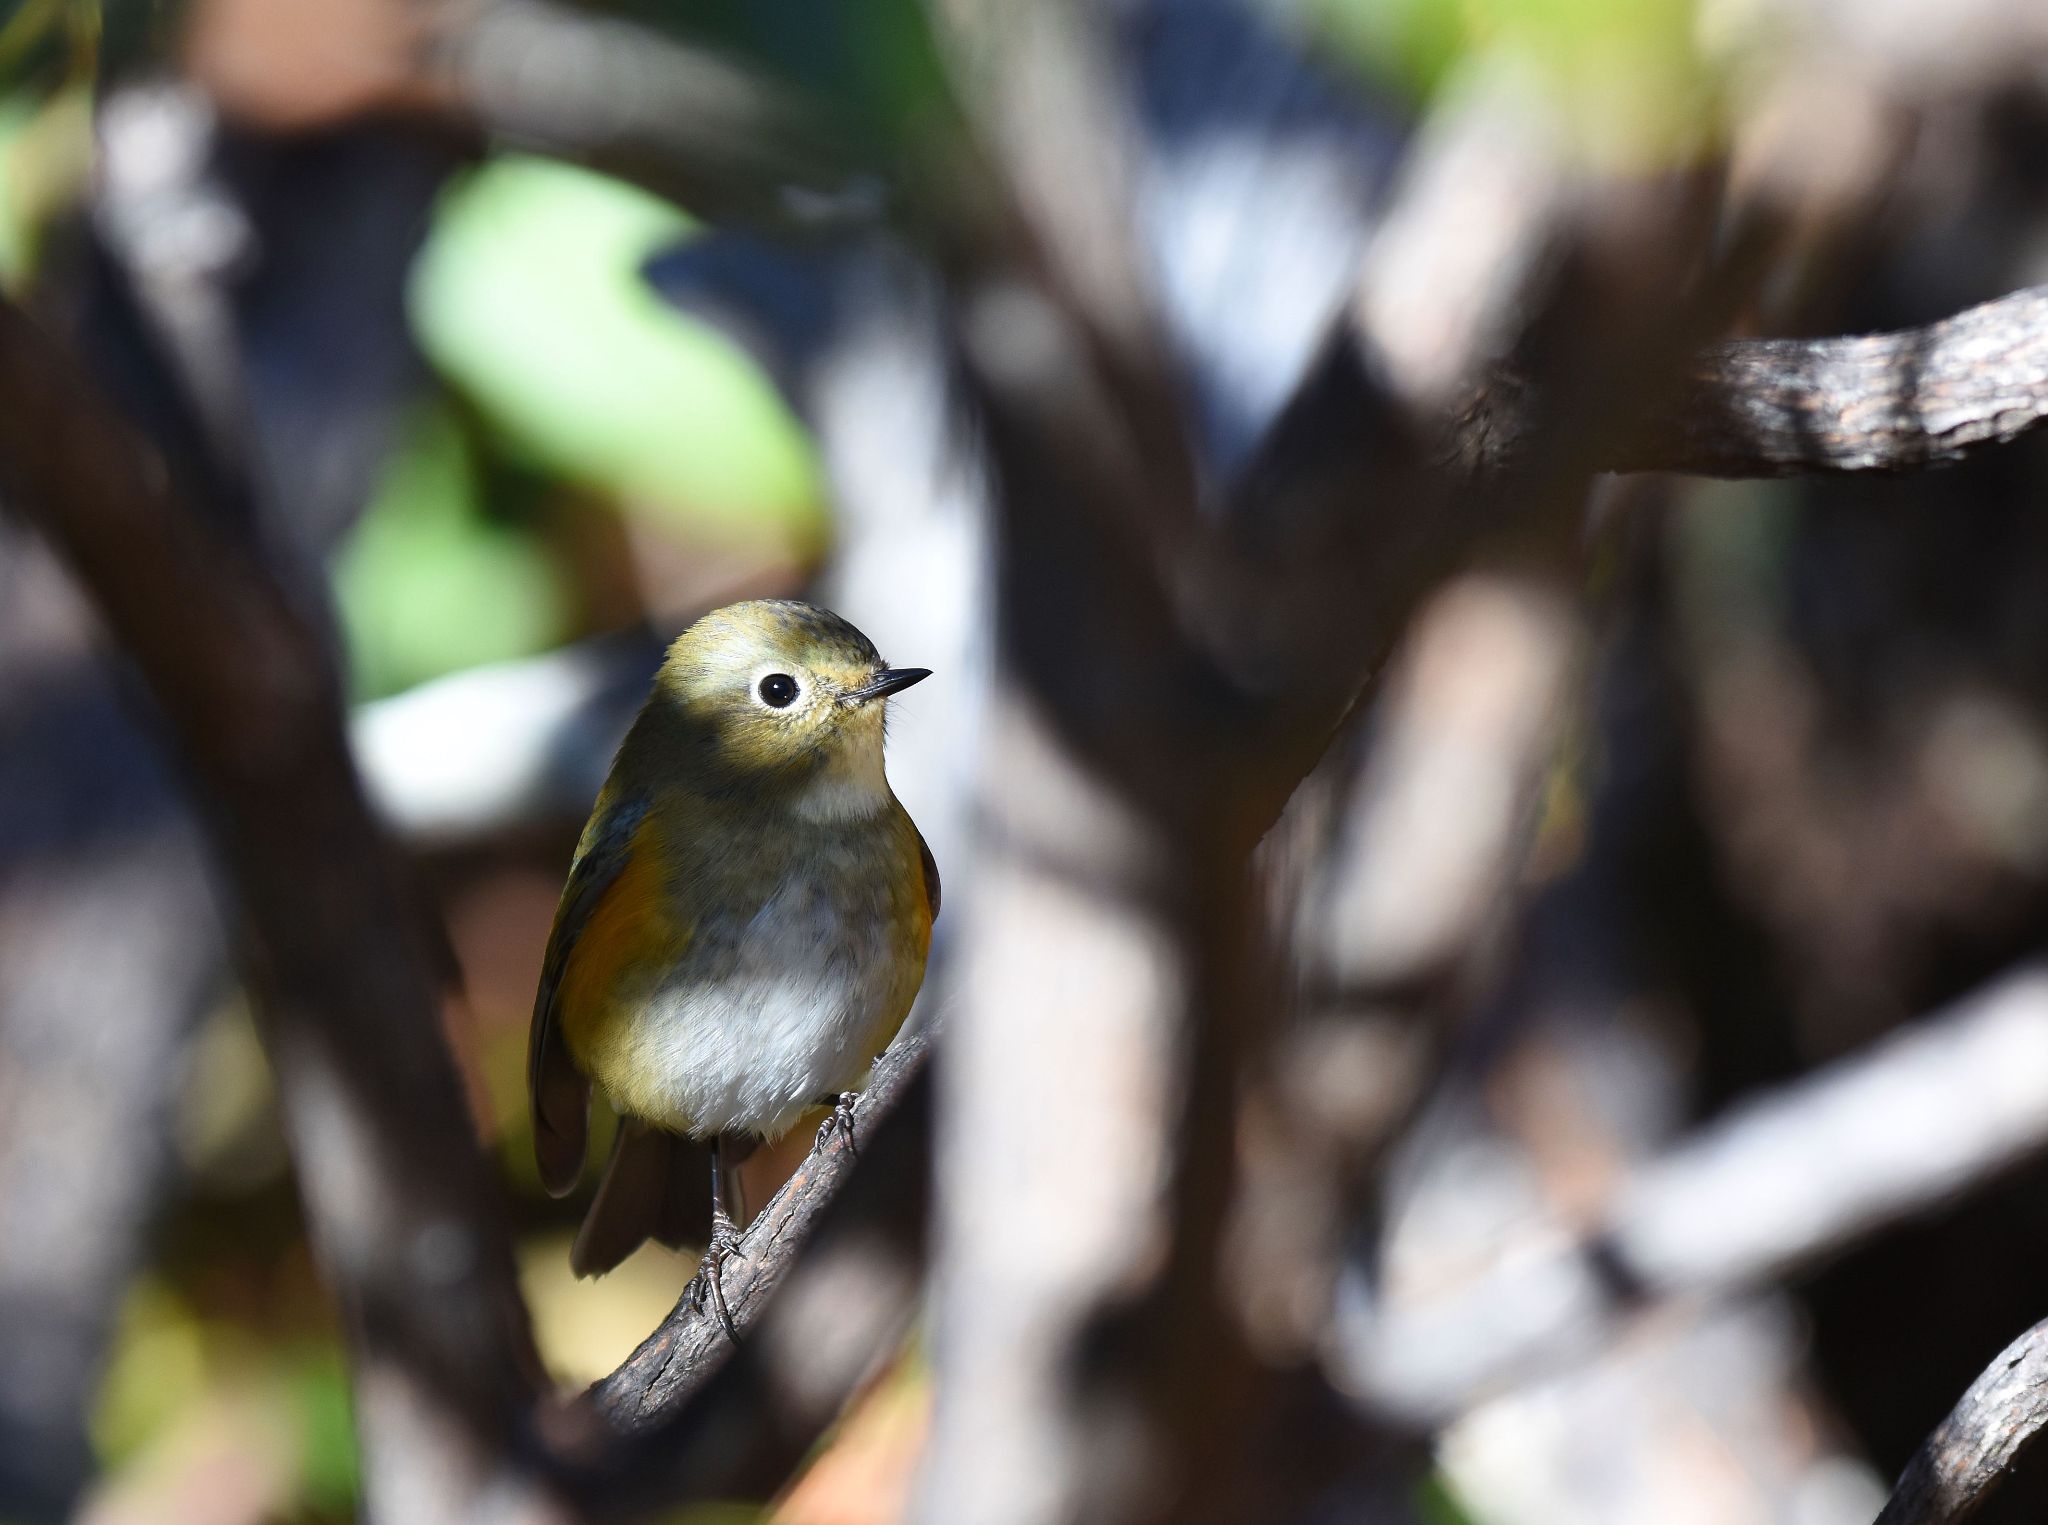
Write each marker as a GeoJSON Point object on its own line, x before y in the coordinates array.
{"type": "Point", "coordinates": [782, 691]}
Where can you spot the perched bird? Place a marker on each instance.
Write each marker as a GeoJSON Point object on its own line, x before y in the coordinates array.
{"type": "Point", "coordinates": [744, 927]}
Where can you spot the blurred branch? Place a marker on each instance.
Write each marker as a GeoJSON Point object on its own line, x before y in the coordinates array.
{"type": "Point", "coordinates": [706, 129]}
{"type": "Point", "coordinates": [110, 953]}
{"type": "Point", "coordinates": [1780, 1182]}
{"type": "Point", "coordinates": [1444, 808]}
{"type": "Point", "coordinates": [1083, 1276]}
{"type": "Point", "coordinates": [1065, 326]}
{"type": "Point", "coordinates": [1985, 45]}
{"type": "Point", "coordinates": [1501, 270]}
{"type": "Point", "coordinates": [1120, 818]}
{"type": "Point", "coordinates": [1476, 223]}
{"type": "Point", "coordinates": [715, 135]}
{"type": "Point", "coordinates": [1789, 407]}
{"type": "Point", "coordinates": [1969, 1454]}
{"type": "Point", "coordinates": [446, 1374]}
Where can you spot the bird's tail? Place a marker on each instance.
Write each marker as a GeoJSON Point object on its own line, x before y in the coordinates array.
{"type": "Point", "coordinates": [656, 1186]}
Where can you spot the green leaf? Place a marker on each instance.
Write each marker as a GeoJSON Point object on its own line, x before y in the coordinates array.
{"type": "Point", "coordinates": [428, 585]}
{"type": "Point", "coordinates": [529, 297]}
{"type": "Point", "coordinates": [328, 1466]}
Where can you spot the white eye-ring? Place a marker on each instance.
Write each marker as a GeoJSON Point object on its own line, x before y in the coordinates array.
{"type": "Point", "coordinates": [777, 690]}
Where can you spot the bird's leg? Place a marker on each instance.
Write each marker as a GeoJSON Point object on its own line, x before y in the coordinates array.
{"type": "Point", "coordinates": [839, 1120]}
{"type": "Point", "coordinates": [725, 1242]}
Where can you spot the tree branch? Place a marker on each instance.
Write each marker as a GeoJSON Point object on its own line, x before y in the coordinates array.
{"type": "Point", "coordinates": [1884, 402]}
{"type": "Point", "coordinates": [1962, 1463]}
{"type": "Point", "coordinates": [1790, 407]}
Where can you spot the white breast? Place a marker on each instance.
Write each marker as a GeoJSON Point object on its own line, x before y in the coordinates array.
{"type": "Point", "coordinates": [786, 1020]}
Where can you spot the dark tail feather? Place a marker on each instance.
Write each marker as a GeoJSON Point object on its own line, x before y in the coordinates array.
{"type": "Point", "coordinates": [655, 1186]}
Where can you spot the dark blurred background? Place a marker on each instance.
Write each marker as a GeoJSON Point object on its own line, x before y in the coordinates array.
{"type": "Point", "coordinates": [526, 419]}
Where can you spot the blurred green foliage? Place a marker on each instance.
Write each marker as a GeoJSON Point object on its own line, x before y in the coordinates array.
{"type": "Point", "coordinates": [45, 159]}
{"type": "Point", "coordinates": [16, 229]}
{"type": "Point", "coordinates": [195, 1392]}
{"type": "Point", "coordinates": [48, 53]}
{"type": "Point", "coordinates": [1436, 1504]}
{"type": "Point", "coordinates": [529, 298]}
{"type": "Point", "coordinates": [158, 1370]}
{"type": "Point", "coordinates": [1629, 78]}
{"type": "Point", "coordinates": [37, 36]}
{"type": "Point", "coordinates": [432, 581]}
{"type": "Point", "coordinates": [318, 1383]}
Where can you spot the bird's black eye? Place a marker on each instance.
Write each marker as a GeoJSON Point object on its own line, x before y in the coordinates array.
{"type": "Point", "coordinates": [778, 690]}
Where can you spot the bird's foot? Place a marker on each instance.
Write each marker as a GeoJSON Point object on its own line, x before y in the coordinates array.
{"type": "Point", "coordinates": [708, 1286]}
{"type": "Point", "coordinates": [839, 1121]}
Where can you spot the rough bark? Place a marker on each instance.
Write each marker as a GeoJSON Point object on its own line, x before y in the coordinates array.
{"type": "Point", "coordinates": [1970, 1452]}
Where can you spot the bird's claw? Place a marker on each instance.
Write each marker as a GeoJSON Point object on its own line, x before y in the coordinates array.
{"type": "Point", "coordinates": [708, 1285]}
{"type": "Point", "coordinates": [840, 1121]}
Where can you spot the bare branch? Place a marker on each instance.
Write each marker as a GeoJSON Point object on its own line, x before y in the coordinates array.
{"type": "Point", "coordinates": [1885, 402]}
{"type": "Point", "coordinates": [1791, 407]}
{"type": "Point", "coordinates": [1962, 1463]}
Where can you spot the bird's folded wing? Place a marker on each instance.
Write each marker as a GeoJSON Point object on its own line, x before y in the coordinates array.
{"type": "Point", "coordinates": [557, 1090]}
{"type": "Point", "coordinates": [931, 875]}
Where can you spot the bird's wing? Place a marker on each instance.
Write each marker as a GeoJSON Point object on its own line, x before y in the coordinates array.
{"type": "Point", "coordinates": [931, 874]}
{"type": "Point", "coordinates": [557, 1091]}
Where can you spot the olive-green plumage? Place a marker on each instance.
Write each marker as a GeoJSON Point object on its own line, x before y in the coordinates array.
{"type": "Point", "coordinates": [746, 919]}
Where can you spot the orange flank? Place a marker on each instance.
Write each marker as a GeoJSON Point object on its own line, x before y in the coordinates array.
{"type": "Point", "coordinates": [623, 933]}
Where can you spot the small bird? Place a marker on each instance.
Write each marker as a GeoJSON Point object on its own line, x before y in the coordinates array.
{"type": "Point", "coordinates": [744, 927]}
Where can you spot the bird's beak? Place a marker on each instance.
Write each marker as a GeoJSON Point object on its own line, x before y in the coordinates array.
{"type": "Point", "coordinates": [890, 680]}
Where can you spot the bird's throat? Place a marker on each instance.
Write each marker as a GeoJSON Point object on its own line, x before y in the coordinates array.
{"type": "Point", "coordinates": [850, 787]}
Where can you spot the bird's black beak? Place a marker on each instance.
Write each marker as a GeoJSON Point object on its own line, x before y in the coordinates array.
{"type": "Point", "coordinates": [891, 680]}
